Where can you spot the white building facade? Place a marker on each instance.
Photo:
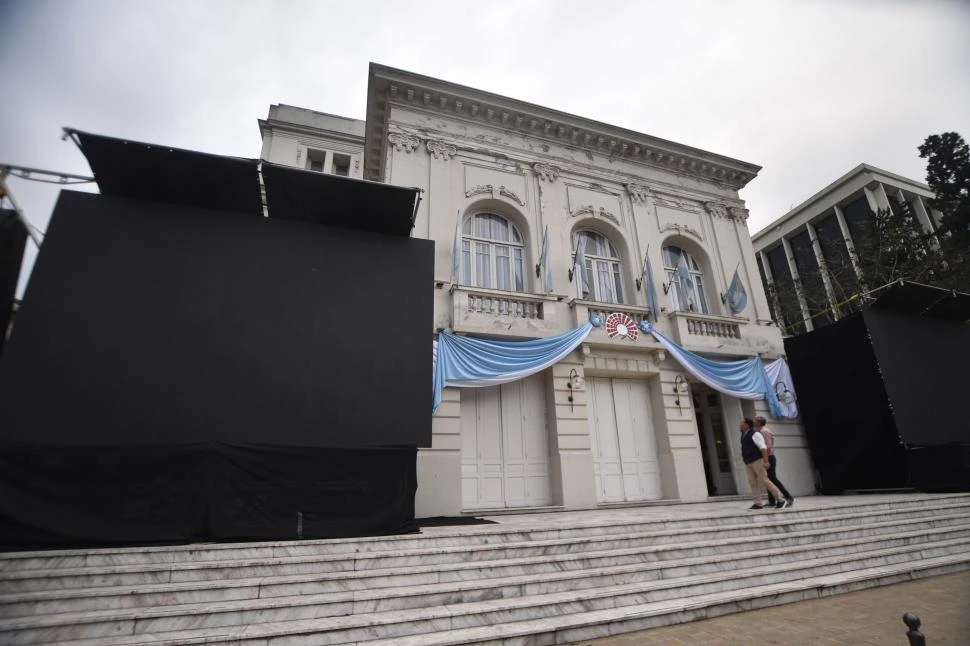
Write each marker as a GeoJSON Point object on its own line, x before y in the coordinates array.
{"type": "Point", "coordinates": [618, 421]}
{"type": "Point", "coordinates": [825, 231]}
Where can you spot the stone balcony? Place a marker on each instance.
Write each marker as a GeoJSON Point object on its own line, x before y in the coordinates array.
{"type": "Point", "coordinates": [709, 332]}
{"type": "Point", "coordinates": [476, 310]}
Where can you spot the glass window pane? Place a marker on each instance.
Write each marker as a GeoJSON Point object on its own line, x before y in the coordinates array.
{"type": "Point", "coordinates": [466, 262]}
{"type": "Point", "coordinates": [518, 267]}
{"type": "Point", "coordinates": [502, 268]}
{"type": "Point", "coordinates": [482, 226]}
{"type": "Point", "coordinates": [617, 284]}
{"type": "Point", "coordinates": [516, 237]}
{"type": "Point", "coordinates": [603, 279]}
{"type": "Point", "coordinates": [500, 229]}
{"type": "Point", "coordinates": [483, 265]}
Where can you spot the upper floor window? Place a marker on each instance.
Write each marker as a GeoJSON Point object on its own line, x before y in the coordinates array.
{"type": "Point", "coordinates": [492, 253]}
{"type": "Point", "coordinates": [603, 268]}
{"type": "Point", "coordinates": [685, 280]}
{"type": "Point", "coordinates": [325, 161]}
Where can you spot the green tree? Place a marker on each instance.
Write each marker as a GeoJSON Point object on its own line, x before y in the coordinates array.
{"type": "Point", "coordinates": [948, 176]}
{"type": "Point", "coordinates": [897, 248]}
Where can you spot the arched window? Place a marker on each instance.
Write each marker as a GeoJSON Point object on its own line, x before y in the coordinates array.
{"type": "Point", "coordinates": [492, 253]}
{"type": "Point", "coordinates": [603, 268]}
{"type": "Point", "coordinates": [686, 281]}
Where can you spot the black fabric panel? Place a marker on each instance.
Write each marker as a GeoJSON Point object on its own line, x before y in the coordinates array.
{"type": "Point", "coordinates": [925, 301]}
{"type": "Point", "coordinates": [923, 362]}
{"type": "Point", "coordinates": [141, 171]}
{"type": "Point", "coordinates": [848, 421]}
{"type": "Point", "coordinates": [57, 496]}
{"type": "Point", "coordinates": [307, 196]}
{"type": "Point", "coordinates": [151, 324]}
{"type": "Point", "coordinates": [13, 241]}
{"type": "Point", "coordinates": [940, 468]}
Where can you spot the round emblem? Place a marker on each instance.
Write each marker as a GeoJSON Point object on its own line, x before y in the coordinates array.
{"type": "Point", "coordinates": [619, 324]}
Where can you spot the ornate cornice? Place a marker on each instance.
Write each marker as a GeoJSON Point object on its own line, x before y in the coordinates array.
{"type": "Point", "coordinates": [546, 172]}
{"type": "Point", "coordinates": [591, 210]}
{"type": "Point", "coordinates": [407, 143]}
{"type": "Point", "coordinates": [638, 192]}
{"type": "Point", "coordinates": [388, 86]}
{"type": "Point", "coordinates": [441, 150]}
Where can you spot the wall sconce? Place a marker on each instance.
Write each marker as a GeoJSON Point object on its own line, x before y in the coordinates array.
{"type": "Point", "coordinates": [575, 382]}
{"type": "Point", "coordinates": [784, 395]}
{"type": "Point", "coordinates": [680, 387]}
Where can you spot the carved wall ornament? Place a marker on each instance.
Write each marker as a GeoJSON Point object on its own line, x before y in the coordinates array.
{"type": "Point", "coordinates": [682, 228]}
{"type": "Point", "coordinates": [675, 203]}
{"type": "Point", "coordinates": [739, 213]}
{"type": "Point", "coordinates": [589, 209]}
{"type": "Point", "coordinates": [716, 209]}
{"type": "Point", "coordinates": [546, 172]}
{"type": "Point", "coordinates": [441, 150]}
{"type": "Point", "coordinates": [509, 193]}
{"type": "Point", "coordinates": [490, 189]}
{"type": "Point", "coordinates": [407, 143]}
{"type": "Point", "coordinates": [638, 192]}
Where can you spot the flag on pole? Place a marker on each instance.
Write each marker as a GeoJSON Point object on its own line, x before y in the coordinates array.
{"type": "Point", "coordinates": [544, 262]}
{"type": "Point", "coordinates": [579, 268]}
{"type": "Point", "coordinates": [456, 252]}
{"type": "Point", "coordinates": [736, 296]}
{"type": "Point", "coordinates": [648, 282]}
{"type": "Point", "coordinates": [686, 284]}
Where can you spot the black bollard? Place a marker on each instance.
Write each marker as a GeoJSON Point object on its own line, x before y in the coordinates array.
{"type": "Point", "coordinates": [916, 638]}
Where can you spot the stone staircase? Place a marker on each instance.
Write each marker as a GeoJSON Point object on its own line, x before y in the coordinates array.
{"type": "Point", "coordinates": [539, 579]}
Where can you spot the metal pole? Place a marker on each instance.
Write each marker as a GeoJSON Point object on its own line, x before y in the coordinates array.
{"type": "Point", "coordinates": [5, 192]}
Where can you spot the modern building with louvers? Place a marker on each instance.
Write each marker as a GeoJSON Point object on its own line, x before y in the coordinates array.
{"type": "Point", "coordinates": [827, 230]}
{"type": "Point", "coordinates": [544, 221]}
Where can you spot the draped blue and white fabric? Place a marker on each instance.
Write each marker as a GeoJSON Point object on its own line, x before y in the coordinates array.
{"type": "Point", "coordinates": [778, 372]}
{"type": "Point", "coordinates": [466, 362]}
{"type": "Point", "coordinates": [745, 379]}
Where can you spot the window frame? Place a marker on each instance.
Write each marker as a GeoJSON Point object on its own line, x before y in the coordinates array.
{"type": "Point", "coordinates": [604, 267]}
{"type": "Point", "coordinates": [680, 296]}
{"type": "Point", "coordinates": [505, 259]}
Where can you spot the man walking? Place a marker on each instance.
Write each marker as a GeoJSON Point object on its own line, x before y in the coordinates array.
{"type": "Point", "coordinates": [754, 452]}
{"type": "Point", "coordinates": [760, 425]}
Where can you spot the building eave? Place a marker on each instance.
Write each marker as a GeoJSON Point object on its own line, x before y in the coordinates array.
{"type": "Point", "coordinates": [387, 86]}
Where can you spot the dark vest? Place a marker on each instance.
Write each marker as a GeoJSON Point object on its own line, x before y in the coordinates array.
{"type": "Point", "coordinates": [749, 450]}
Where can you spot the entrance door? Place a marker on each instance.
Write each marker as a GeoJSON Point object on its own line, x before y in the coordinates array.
{"type": "Point", "coordinates": [623, 440]}
{"type": "Point", "coordinates": [504, 446]}
{"type": "Point", "coordinates": [713, 438]}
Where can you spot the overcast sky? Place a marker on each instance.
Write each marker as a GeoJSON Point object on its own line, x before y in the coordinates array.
{"type": "Point", "coordinates": [806, 89]}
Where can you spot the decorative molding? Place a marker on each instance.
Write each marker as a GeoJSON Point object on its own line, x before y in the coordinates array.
{"type": "Point", "coordinates": [716, 209]}
{"type": "Point", "coordinates": [488, 188]}
{"type": "Point", "coordinates": [589, 209]}
{"type": "Point", "coordinates": [675, 203]}
{"type": "Point", "coordinates": [407, 143]}
{"type": "Point", "coordinates": [638, 192]}
{"type": "Point", "coordinates": [739, 213]}
{"type": "Point", "coordinates": [441, 150]}
{"type": "Point", "coordinates": [509, 193]}
{"type": "Point", "coordinates": [546, 172]}
{"type": "Point", "coordinates": [682, 228]}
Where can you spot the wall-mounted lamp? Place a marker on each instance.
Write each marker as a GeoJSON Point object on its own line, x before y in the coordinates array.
{"type": "Point", "coordinates": [784, 395]}
{"type": "Point", "coordinates": [575, 382]}
{"type": "Point", "coordinates": [680, 387]}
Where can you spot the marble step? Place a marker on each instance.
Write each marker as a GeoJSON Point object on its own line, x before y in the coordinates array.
{"type": "Point", "coordinates": [656, 581]}
{"type": "Point", "coordinates": [788, 528]}
{"type": "Point", "coordinates": [692, 557]}
{"type": "Point", "coordinates": [617, 608]}
{"type": "Point", "coordinates": [443, 538]}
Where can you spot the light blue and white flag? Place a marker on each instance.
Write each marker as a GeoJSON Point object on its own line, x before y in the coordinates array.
{"type": "Point", "coordinates": [580, 274]}
{"type": "Point", "coordinates": [649, 285]}
{"type": "Point", "coordinates": [736, 296]}
{"type": "Point", "coordinates": [544, 262]}
{"type": "Point", "coordinates": [456, 252]}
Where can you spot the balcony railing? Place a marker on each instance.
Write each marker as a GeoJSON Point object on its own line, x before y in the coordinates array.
{"type": "Point", "coordinates": [517, 306]}
{"type": "Point", "coordinates": [477, 310]}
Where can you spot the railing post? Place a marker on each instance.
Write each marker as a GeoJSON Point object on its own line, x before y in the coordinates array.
{"type": "Point", "coordinates": [916, 638]}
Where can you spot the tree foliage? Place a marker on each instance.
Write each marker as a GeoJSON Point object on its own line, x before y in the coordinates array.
{"type": "Point", "coordinates": [948, 175]}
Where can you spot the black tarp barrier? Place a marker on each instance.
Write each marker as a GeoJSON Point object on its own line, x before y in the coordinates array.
{"type": "Point", "coordinates": [141, 171]}
{"type": "Point", "coordinates": [159, 324]}
{"type": "Point", "coordinates": [107, 495]}
{"type": "Point", "coordinates": [881, 392]}
{"type": "Point", "coordinates": [13, 242]}
{"type": "Point", "coordinates": [294, 194]}
{"type": "Point", "coordinates": [849, 426]}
